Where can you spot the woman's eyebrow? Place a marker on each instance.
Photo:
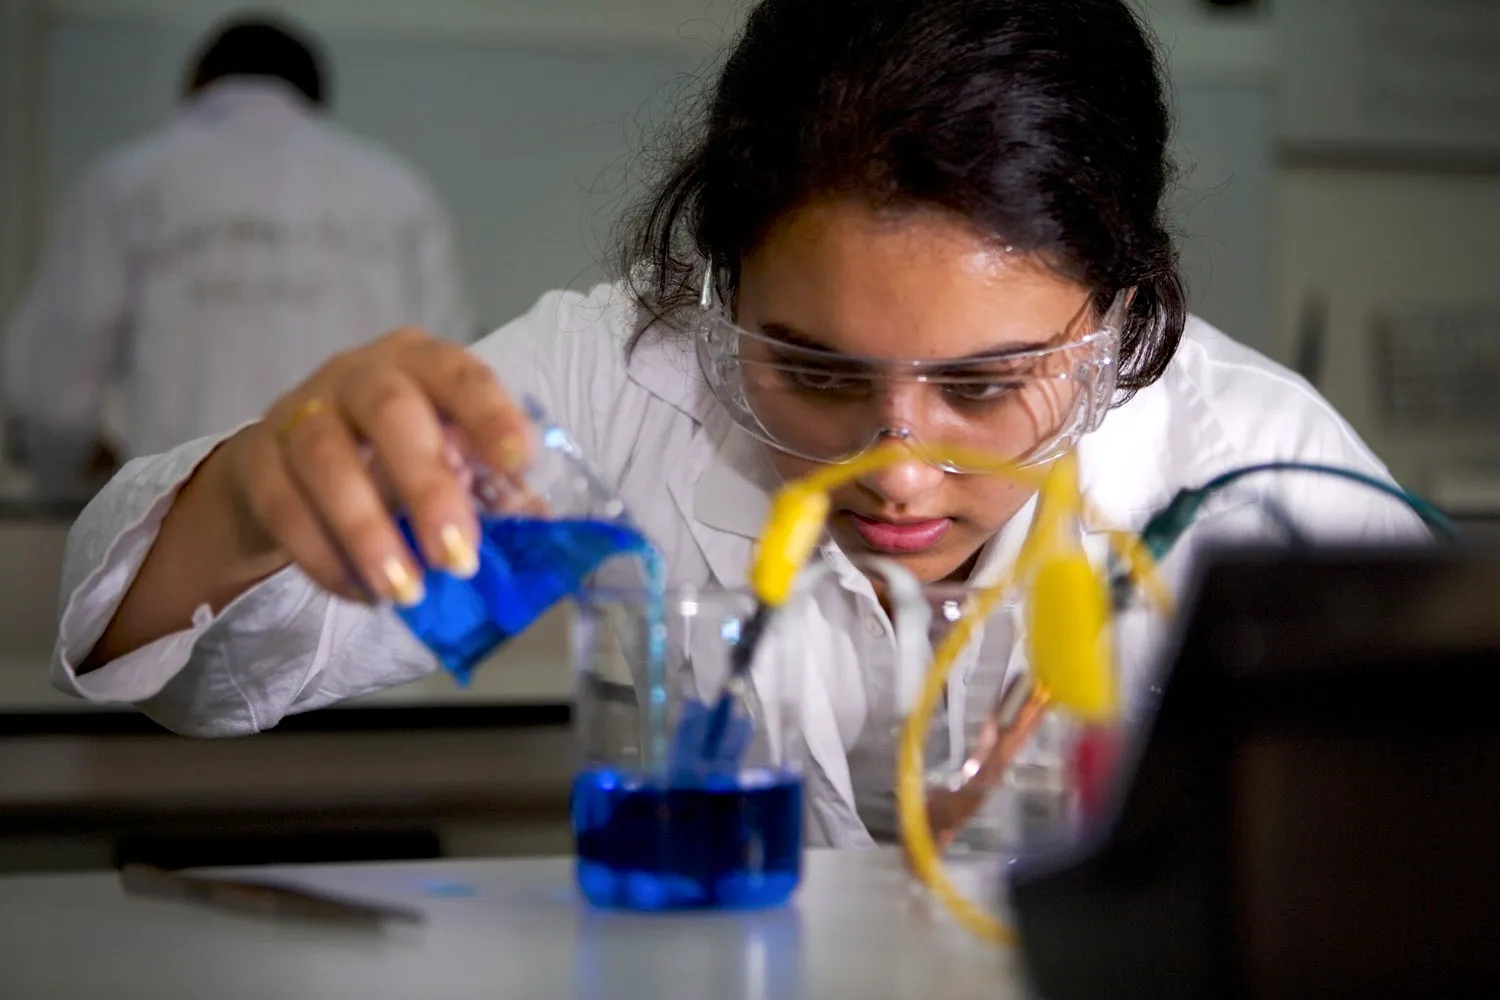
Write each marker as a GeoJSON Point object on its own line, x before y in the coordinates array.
{"type": "Point", "coordinates": [793, 337]}
{"type": "Point", "coordinates": [787, 334]}
{"type": "Point", "coordinates": [1000, 353]}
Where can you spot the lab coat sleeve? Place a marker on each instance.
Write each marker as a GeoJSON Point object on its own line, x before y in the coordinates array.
{"type": "Point", "coordinates": [440, 305]}
{"type": "Point", "coordinates": [283, 646]}
{"type": "Point", "coordinates": [66, 335]}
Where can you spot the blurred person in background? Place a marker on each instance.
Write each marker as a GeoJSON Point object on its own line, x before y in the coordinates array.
{"type": "Point", "coordinates": [206, 268]}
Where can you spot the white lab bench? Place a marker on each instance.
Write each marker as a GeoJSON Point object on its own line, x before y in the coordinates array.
{"type": "Point", "coordinates": [511, 928]}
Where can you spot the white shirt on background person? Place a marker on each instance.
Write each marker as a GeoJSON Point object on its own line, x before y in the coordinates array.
{"type": "Point", "coordinates": [213, 264]}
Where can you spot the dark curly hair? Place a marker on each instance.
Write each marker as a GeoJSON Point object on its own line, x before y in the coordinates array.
{"type": "Point", "coordinates": [1043, 123]}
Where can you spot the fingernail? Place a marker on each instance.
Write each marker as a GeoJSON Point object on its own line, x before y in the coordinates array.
{"type": "Point", "coordinates": [513, 453]}
{"type": "Point", "coordinates": [406, 588]}
{"type": "Point", "coordinates": [463, 561]}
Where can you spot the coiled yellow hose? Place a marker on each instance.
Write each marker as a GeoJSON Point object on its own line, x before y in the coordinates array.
{"type": "Point", "coordinates": [796, 520]}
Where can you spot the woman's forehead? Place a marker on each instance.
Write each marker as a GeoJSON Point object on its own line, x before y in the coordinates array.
{"type": "Point", "coordinates": [845, 277]}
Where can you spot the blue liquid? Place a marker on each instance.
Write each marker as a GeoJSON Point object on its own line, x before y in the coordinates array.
{"type": "Point", "coordinates": [526, 565]}
{"type": "Point", "coordinates": [728, 842]}
{"type": "Point", "coordinates": [690, 759]}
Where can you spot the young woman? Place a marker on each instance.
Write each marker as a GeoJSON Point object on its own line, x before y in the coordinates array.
{"type": "Point", "coordinates": [938, 221]}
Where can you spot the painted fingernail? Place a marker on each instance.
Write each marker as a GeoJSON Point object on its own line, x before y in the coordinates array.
{"type": "Point", "coordinates": [463, 561]}
{"type": "Point", "coordinates": [513, 453]}
{"type": "Point", "coordinates": [405, 588]}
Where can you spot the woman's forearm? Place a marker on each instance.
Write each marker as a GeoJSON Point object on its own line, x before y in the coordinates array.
{"type": "Point", "coordinates": [203, 554]}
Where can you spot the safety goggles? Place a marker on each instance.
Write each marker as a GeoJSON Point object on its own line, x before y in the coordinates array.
{"type": "Point", "coordinates": [1026, 406]}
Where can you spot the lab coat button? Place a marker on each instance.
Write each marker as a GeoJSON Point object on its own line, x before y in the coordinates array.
{"type": "Point", "coordinates": [873, 626]}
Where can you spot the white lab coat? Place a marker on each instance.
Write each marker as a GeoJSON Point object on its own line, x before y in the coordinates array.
{"type": "Point", "coordinates": [699, 487]}
{"type": "Point", "coordinates": [214, 264]}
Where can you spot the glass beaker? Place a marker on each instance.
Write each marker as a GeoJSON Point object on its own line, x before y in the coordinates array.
{"type": "Point", "coordinates": [541, 536]}
{"type": "Point", "coordinates": [996, 782]}
{"type": "Point", "coordinates": [653, 835]}
{"type": "Point", "coordinates": [965, 813]}
{"type": "Point", "coordinates": [1013, 780]}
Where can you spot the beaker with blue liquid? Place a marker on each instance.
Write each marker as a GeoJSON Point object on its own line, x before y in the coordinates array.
{"type": "Point", "coordinates": [657, 825]}
{"type": "Point", "coordinates": [658, 822]}
{"type": "Point", "coordinates": [542, 536]}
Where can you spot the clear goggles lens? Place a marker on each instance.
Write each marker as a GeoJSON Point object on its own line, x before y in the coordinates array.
{"type": "Point", "coordinates": [1027, 406]}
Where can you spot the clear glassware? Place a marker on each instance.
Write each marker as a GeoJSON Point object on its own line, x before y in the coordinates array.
{"type": "Point", "coordinates": [998, 774]}
{"type": "Point", "coordinates": [655, 826]}
{"type": "Point", "coordinates": [542, 536]}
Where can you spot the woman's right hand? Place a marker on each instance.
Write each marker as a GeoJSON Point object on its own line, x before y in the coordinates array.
{"type": "Point", "coordinates": [313, 482]}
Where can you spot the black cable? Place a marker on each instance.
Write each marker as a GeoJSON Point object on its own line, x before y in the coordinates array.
{"type": "Point", "coordinates": [1276, 511]}
{"type": "Point", "coordinates": [1169, 523]}
{"type": "Point", "coordinates": [1428, 511]}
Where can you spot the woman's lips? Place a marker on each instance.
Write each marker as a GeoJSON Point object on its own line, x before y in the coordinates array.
{"type": "Point", "coordinates": [899, 537]}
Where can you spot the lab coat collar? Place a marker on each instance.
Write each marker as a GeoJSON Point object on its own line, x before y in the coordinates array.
{"type": "Point", "coordinates": [735, 492]}
{"type": "Point", "coordinates": [239, 94]}
{"type": "Point", "coordinates": [723, 491]}
{"type": "Point", "coordinates": [732, 492]}
{"type": "Point", "coordinates": [665, 363]}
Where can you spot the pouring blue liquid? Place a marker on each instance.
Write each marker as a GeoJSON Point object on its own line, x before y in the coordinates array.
{"type": "Point", "coordinates": [526, 565]}
{"type": "Point", "coordinates": [662, 836]}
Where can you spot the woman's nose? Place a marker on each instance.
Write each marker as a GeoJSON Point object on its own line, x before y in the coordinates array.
{"type": "Point", "coordinates": [905, 484]}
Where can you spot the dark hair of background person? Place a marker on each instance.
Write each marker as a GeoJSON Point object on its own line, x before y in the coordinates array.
{"type": "Point", "coordinates": [1043, 124]}
{"type": "Point", "coordinates": [264, 46]}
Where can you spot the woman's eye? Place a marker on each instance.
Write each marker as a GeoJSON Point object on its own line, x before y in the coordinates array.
{"type": "Point", "coordinates": [821, 381]}
{"type": "Point", "coordinates": [980, 392]}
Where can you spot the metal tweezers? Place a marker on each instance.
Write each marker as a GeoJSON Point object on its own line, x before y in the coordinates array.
{"type": "Point", "coordinates": [270, 899]}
